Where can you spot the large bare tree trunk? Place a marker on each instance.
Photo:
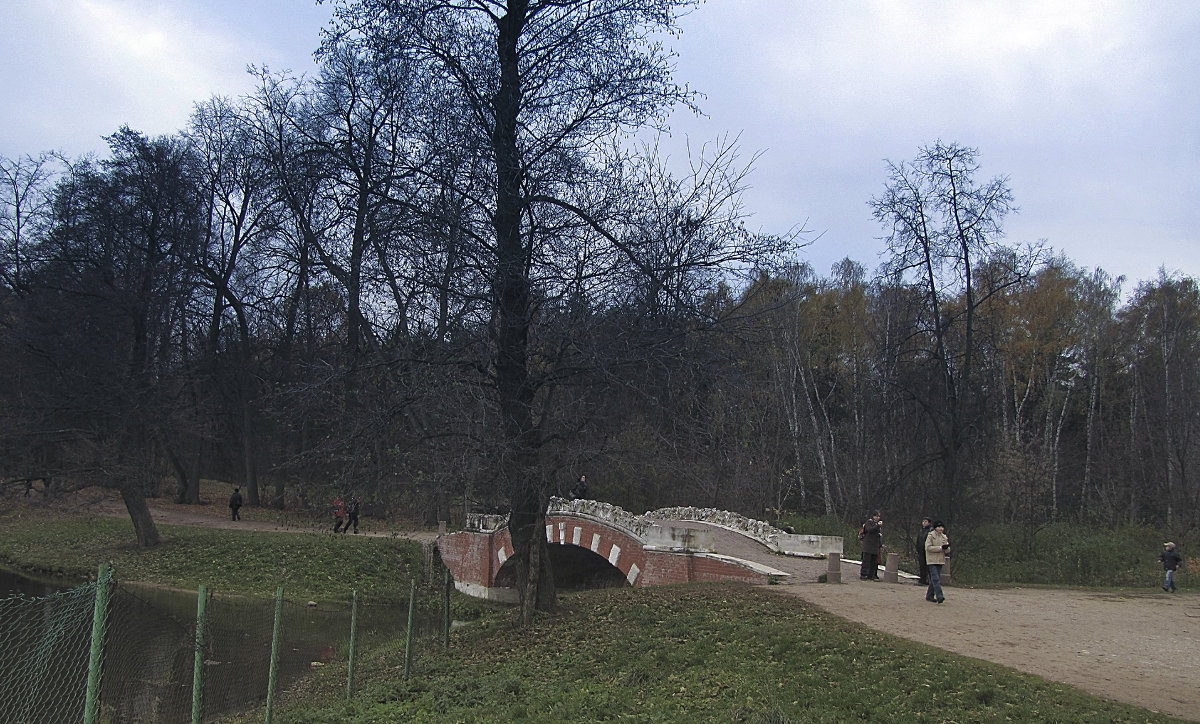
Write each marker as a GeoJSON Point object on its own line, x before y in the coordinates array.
{"type": "Point", "coordinates": [511, 296]}
{"type": "Point", "coordinates": [139, 513]}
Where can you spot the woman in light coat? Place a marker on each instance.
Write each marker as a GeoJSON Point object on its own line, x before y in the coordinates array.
{"type": "Point", "coordinates": [937, 549]}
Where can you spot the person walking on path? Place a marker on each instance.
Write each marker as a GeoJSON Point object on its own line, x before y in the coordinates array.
{"type": "Point", "coordinates": [1170, 560]}
{"type": "Point", "coordinates": [937, 550]}
{"type": "Point", "coordinates": [352, 514]}
{"type": "Point", "coordinates": [872, 542]}
{"type": "Point", "coordinates": [339, 513]}
{"type": "Point", "coordinates": [235, 504]}
{"type": "Point", "coordinates": [923, 570]}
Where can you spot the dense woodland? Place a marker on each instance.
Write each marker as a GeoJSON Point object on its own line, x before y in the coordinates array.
{"type": "Point", "coordinates": [383, 279]}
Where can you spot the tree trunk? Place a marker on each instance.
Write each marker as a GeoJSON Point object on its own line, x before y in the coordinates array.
{"type": "Point", "coordinates": [511, 296]}
{"type": "Point", "coordinates": [139, 513]}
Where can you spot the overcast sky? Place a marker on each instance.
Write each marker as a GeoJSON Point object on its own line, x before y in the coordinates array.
{"type": "Point", "coordinates": [1091, 108]}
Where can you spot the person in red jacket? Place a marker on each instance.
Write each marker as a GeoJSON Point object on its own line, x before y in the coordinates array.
{"type": "Point", "coordinates": [339, 513]}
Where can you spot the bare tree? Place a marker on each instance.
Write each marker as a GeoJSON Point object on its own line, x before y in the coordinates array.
{"type": "Point", "coordinates": [941, 223]}
{"type": "Point", "coordinates": [544, 87]}
{"type": "Point", "coordinates": [25, 204]}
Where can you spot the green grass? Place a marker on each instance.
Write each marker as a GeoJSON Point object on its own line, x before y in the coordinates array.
{"type": "Point", "coordinates": [708, 653]}
{"type": "Point", "coordinates": [311, 565]}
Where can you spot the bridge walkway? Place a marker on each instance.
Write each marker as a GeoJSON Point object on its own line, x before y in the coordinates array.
{"type": "Point", "coordinates": [738, 545]}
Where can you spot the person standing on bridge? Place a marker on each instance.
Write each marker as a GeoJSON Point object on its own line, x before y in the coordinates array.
{"type": "Point", "coordinates": [580, 491]}
{"type": "Point", "coordinates": [937, 550]}
{"type": "Point", "coordinates": [872, 542]}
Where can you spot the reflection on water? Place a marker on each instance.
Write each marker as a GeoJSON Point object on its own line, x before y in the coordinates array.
{"type": "Point", "coordinates": [150, 648]}
{"type": "Point", "coordinates": [11, 583]}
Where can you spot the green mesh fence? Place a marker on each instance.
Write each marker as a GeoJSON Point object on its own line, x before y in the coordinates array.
{"type": "Point", "coordinates": [44, 647]}
{"type": "Point", "coordinates": [149, 653]}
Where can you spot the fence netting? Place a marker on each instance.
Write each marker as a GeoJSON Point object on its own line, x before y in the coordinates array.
{"type": "Point", "coordinates": [44, 648]}
{"type": "Point", "coordinates": [149, 653]}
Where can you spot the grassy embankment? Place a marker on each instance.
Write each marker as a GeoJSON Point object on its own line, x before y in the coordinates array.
{"type": "Point", "coordinates": [686, 654]}
{"type": "Point", "coordinates": [317, 566]}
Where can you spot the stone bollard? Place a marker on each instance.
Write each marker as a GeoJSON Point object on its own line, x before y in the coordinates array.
{"type": "Point", "coordinates": [834, 573]}
{"type": "Point", "coordinates": [890, 570]}
{"type": "Point", "coordinates": [946, 572]}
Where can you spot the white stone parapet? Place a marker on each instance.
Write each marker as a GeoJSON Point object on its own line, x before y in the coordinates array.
{"type": "Point", "coordinates": [635, 525]}
{"type": "Point", "coordinates": [485, 522]}
{"type": "Point", "coordinates": [792, 544]}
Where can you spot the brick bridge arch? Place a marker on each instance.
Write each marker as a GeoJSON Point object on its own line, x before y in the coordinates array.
{"type": "Point", "coordinates": [654, 549]}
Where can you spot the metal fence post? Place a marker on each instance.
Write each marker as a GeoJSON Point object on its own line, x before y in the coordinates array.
{"type": "Point", "coordinates": [91, 706]}
{"type": "Point", "coordinates": [274, 653]}
{"type": "Point", "coordinates": [353, 644]}
{"type": "Point", "coordinates": [446, 610]}
{"type": "Point", "coordinates": [412, 601]}
{"type": "Point", "coordinates": [198, 667]}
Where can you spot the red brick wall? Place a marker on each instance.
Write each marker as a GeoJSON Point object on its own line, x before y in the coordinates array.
{"type": "Point", "coordinates": [477, 558]}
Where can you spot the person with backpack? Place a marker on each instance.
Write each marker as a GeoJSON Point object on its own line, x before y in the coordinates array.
{"type": "Point", "coordinates": [871, 536]}
{"type": "Point", "coordinates": [235, 504]}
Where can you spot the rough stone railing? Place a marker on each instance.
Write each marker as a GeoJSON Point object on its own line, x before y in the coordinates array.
{"type": "Point", "coordinates": [635, 525]}
{"type": "Point", "coordinates": [810, 546]}
{"type": "Point", "coordinates": [645, 529]}
{"type": "Point", "coordinates": [757, 529]}
{"type": "Point", "coordinates": [485, 522]}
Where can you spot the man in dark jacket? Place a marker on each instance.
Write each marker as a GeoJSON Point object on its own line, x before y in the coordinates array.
{"type": "Point", "coordinates": [1170, 560]}
{"type": "Point", "coordinates": [923, 571]}
{"type": "Point", "coordinates": [235, 504]}
{"type": "Point", "coordinates": [872, 541]}
{"type": "Point", "coordinates": [580, 491]}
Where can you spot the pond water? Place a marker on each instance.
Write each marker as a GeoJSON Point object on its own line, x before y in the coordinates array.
{"type": "Point", "coordinates": [150, 650]}
{"type": "Point", "coordinates": [11, 583]}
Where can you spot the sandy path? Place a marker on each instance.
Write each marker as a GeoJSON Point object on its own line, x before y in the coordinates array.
{"type": "Point", "coordinates": [1138, 648]}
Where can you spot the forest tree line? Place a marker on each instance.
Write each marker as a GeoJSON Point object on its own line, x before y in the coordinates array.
{"type": "Point", "coordinates": [305, 291]}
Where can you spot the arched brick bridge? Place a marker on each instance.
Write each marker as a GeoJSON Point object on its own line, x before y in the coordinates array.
{"type": "Point", "coordinates": [597, 544]}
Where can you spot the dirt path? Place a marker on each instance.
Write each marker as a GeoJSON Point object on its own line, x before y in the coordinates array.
{"type": "Point", "coordinates": [213, 515]}
{"type": "Point", "coordinates": [1137, 648]}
